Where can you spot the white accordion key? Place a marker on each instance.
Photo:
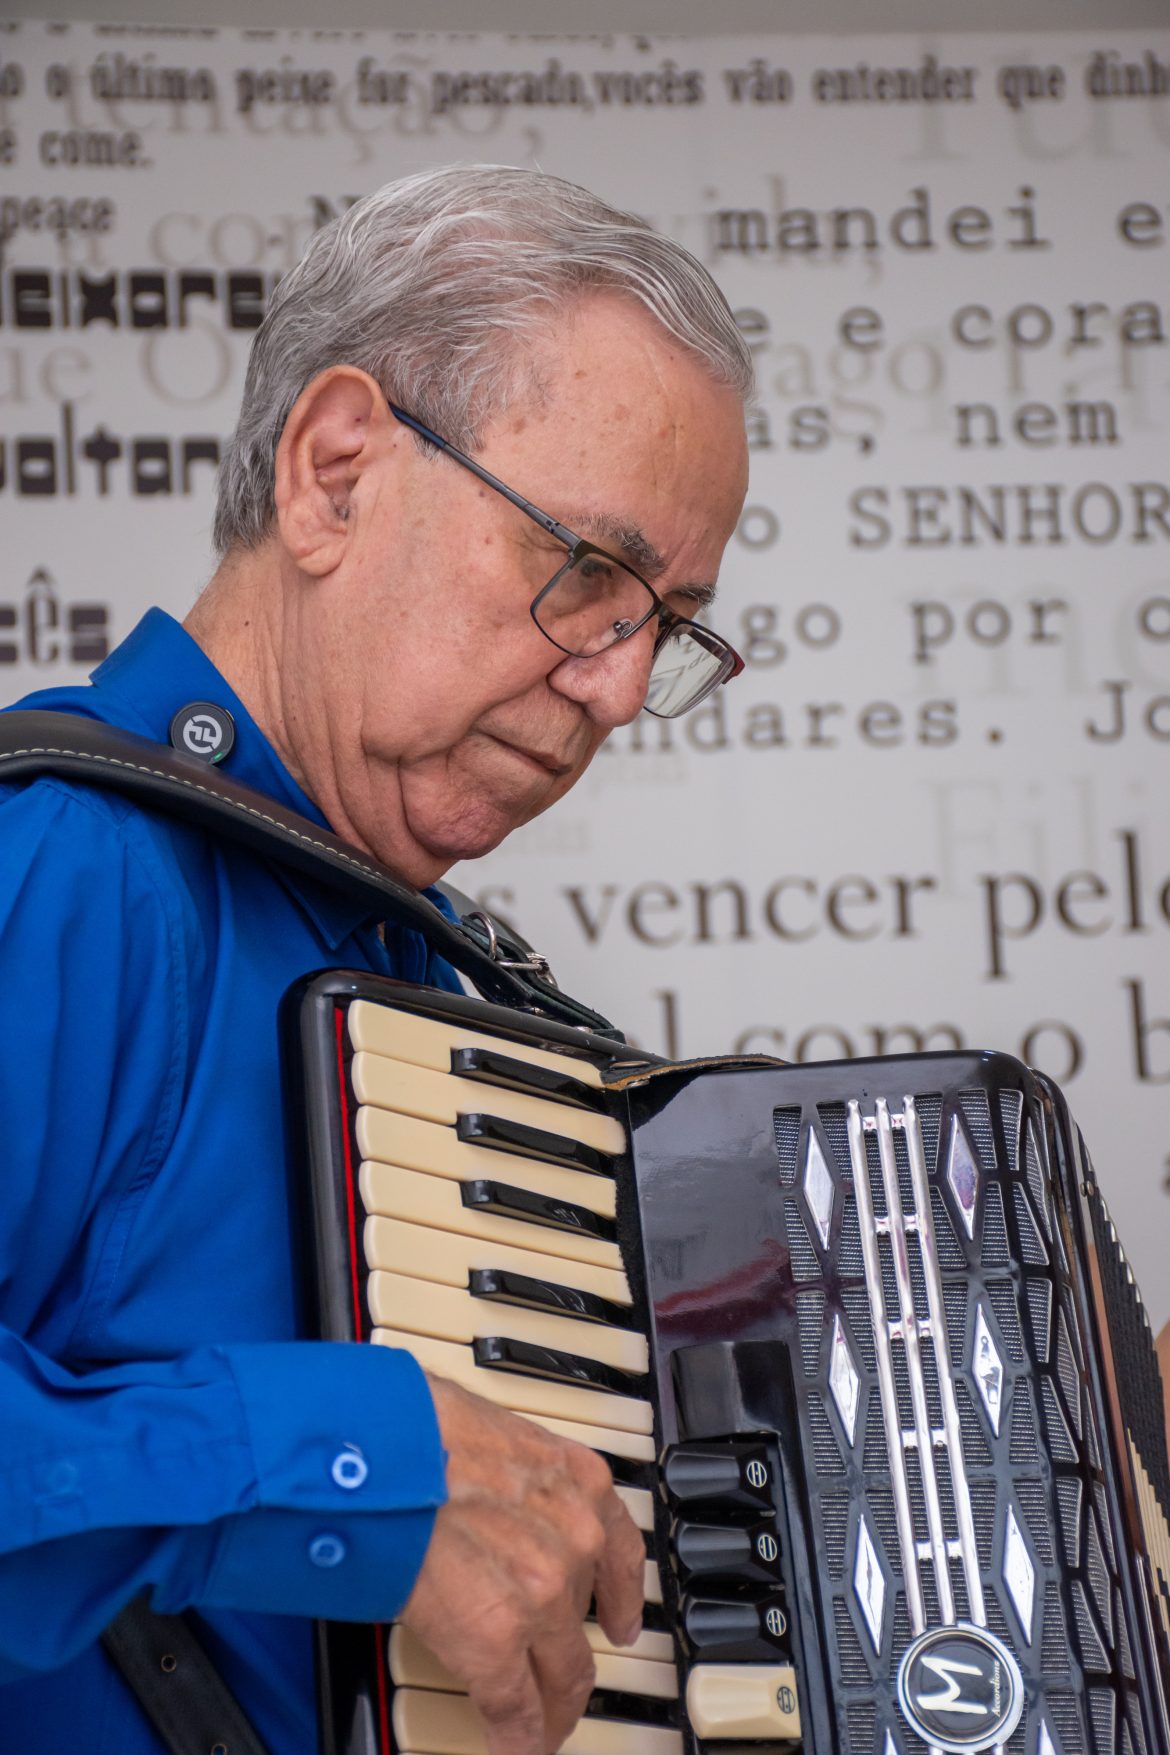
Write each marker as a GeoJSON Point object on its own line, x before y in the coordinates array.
{"type": "Point", "coordinates": [427, 1042]}
{"type": "Point", "coordinates": [656, 1647]}
{"type": "Point", "coordinates": [424, 1145]}
{"type": "Point", "coordinates": [441, 1097]}
{"type": "Point", "coordinates": [419, 1307]}
{"type": "Point", "coordinates": [428, 1723]}
{"type": "Point", "coordinates": [429, 1200]}
{"type": "Point", "coordinates": [436, 1724]}
{"type": "Point", "coordinates": [744, 1702]}
{"type": "Point", "coordinates": [615, 1736]}
{"type": "Point", "coordinates": [449, 1259]}
{"type": "Point", "coordinates": [638, 1503]}
{"type": "Point", "coordinates": [414, 1666]}
{"type": "Point", "coordinates": [635, 1675]}
{"type": "Point", "coordinates": [633, 1446]}
{"type": "Point", "coordinates": [522, 1393]}
{"type": "Point", "coordinates": [651, 1587]}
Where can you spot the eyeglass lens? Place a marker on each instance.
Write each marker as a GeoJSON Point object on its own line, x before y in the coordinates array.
{"type": "Point", "coordinates": [591, 605]}
{"type": "Point", "coordinates": [595, 602]}
{"type": "Point", "coordinates": [684, 672]}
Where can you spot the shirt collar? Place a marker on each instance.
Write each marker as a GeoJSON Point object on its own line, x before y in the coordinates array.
{"type": "Point", "coordinates": [159, 669]}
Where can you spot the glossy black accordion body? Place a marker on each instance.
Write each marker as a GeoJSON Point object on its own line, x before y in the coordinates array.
{"type": "Point", "coordinates": [847, 1334]}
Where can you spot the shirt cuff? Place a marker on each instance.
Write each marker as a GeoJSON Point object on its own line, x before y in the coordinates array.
{"type": "Point", "coordinates": [348, 1472]}
{"type": "Point", "coordinates": [353, 1568]}
{"type": "Point", "coordinates": [311, 1405]}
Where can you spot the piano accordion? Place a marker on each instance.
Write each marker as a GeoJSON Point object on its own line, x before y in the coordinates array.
{"type": "Point", "coordinates": [857, 1339]}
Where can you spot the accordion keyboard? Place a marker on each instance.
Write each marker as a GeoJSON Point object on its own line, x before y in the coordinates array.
{"type": "Point", "coordinates": [856, 1339]}
{"type": "Point", "coordinates": [491, 1252]}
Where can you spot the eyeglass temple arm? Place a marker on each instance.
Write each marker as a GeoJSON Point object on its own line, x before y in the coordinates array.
{"type": "Point", "coordinates": [668, 618]}
{"type": "Point", "coordinates": [546, 522]}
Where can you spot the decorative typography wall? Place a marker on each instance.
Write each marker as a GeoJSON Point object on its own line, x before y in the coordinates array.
{"type": "Point", "coordinates": [933, 811]}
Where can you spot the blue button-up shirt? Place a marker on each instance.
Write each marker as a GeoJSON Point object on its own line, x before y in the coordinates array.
{"type": "Point", "coordinates": [163, 1422]}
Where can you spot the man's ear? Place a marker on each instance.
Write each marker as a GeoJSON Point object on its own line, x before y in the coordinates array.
{"type": "Point", "coordinates": [334, 432]}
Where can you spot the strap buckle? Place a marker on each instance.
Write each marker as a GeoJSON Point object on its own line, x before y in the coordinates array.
{"type": "Point", "coordinates": [533, 963]}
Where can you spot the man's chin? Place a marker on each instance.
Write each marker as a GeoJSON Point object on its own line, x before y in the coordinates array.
{"type": "Point", "coordinates": [436, 847]}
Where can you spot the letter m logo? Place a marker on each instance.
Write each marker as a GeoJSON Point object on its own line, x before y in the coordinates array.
{"type": "Point", "coordinates": [950, 1697]}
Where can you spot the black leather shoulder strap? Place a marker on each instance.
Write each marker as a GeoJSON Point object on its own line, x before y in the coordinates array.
{"type": "Point", "coordinates": [34, 743]}
{"type": "Point", "coordinates": [180, 1690]}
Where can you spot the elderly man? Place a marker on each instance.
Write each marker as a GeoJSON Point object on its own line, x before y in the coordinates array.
{"type": "Point", "coordinates": [422, 648]}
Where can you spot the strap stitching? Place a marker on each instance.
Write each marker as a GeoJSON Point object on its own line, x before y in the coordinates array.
{"type": "Point", "coordinates": [386, 884]}
{"type": "Point", "coordinates": [209, 792]}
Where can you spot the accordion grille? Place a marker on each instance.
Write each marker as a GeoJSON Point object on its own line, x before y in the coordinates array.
{"type": "Point", "coordinates": [942, 1366]}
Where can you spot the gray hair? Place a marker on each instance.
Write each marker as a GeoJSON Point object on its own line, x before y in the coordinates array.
{"type": "Point", "coordinates": [431, 285]}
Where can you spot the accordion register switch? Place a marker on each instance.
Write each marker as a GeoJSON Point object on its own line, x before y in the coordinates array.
{"type": "Point", "coordinates": [735, 1553]}
{"type": "Point", "coordinates": [727, 1476]}
{"type": "Point", "coordinates": [739, 1629]}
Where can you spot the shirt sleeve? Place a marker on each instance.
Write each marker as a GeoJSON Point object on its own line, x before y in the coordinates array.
{"type": "Point", "coordinates": [297, 1477]}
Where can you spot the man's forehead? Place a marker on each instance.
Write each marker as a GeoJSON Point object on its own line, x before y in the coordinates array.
{"type": "Point", "coordinates": [628, 540]}
{"type": "Point", "coordinates": [605, 344]}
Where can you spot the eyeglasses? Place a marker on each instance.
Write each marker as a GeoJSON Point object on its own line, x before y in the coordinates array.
{"type": "Point", "coordinates": [594, 601]}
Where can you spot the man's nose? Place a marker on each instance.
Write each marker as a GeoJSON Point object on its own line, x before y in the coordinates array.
{"type": "Point", "coordinates": [611, 685]}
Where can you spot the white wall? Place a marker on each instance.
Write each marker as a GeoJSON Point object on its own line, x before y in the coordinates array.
{"type": "Point", "coordinates": [682, 17]}
{"type": "Point", "coordinates": [916, 808]}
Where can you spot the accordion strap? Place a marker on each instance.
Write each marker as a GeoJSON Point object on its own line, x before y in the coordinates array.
{"type": "Point", "coordinates": [180, 1690]}
{"type": "Point", "coordinates": [500, 963]}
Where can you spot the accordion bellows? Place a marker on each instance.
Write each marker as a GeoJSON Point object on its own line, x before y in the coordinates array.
{"type": "Point", "coordinates": [858, 1340]}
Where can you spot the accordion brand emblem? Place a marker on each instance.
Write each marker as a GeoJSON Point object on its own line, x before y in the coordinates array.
{"type": "Point", "coordinates": [960, 1688]}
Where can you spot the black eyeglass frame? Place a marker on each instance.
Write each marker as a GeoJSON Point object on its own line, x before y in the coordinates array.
{"type": "Point", "coordinates": [579, 547]}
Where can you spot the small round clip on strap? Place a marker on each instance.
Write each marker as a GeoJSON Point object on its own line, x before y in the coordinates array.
{"type": "Point", "coordinates": [533, 964]}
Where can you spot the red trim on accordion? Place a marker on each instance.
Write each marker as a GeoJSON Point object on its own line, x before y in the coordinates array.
{"type": "Point", "coordinates": [376, 1632]}
{"type": "Point", "coordinates": [350, 1191]}
{"type": "Point", "coordinates": [381, 1660]}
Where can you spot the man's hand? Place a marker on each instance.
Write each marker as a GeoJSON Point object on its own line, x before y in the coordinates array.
{"type": "Point", "coordinates": [532, 1529]}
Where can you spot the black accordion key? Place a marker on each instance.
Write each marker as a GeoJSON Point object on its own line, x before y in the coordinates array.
{"type": "Point", "coordinates": [534, 1294]}
{"type": "Point", "coordinates": [487, 1067]}
{"type": "Point", "coordinates": [511, 1202]}
{"type": "Point", "coordinates": [532, 1142]}
{"type": "Point", "coordinates": [496, 1354]}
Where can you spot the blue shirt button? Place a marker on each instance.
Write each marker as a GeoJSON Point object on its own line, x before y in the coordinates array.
{"type": "Point", "coordinates": [350, 1468]}
{"type": "Point", "coordinates": [58, 1481]}
{"type": "Point", "coordinates": [327, 1550]}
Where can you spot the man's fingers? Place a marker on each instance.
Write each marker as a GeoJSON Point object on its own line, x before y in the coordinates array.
{"type": "Point", "coordinates": [620, 1575]}
{"type": "Point", "coordinates": [510, 1704]}
{"type": "Point", "coordinates": [531, 1529]}
{"type": "Point", "coordinates": [619, 1569]}
{"type": "Point", "coordinates": [565, 1674]}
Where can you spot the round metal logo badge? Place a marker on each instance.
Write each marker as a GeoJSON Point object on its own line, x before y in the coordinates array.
{"type": "Point", "coordinates": [202, 729]}
{"type": "Point", "coordinates": [960, 1688]}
